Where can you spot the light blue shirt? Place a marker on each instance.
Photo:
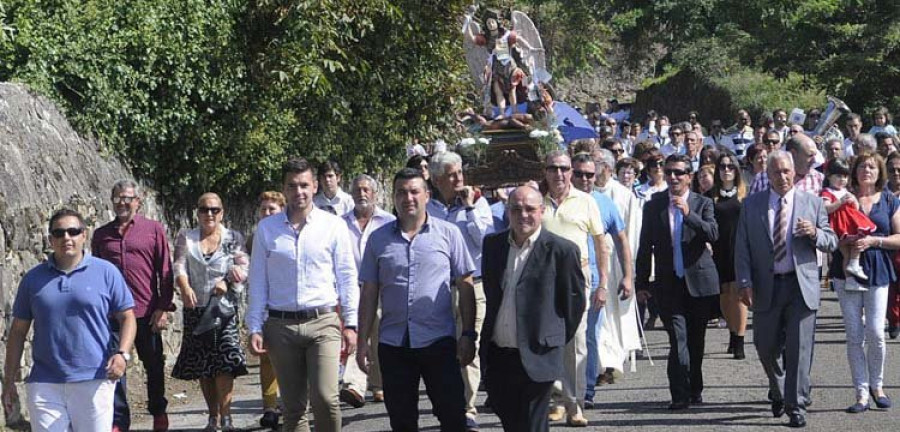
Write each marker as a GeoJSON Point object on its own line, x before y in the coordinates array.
{"type": "Point", "coordinates": [612, 225]}
{"type": "Point", "coordinates": [474, 224]}
{"type": "Point", "coordinates": [70, 315]}
{"type": "Point", "coordinates": [415, 277]}
{"type": "Point", "coordinates": [292, 271]}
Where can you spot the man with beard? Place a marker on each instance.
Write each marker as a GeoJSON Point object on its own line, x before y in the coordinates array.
{"type": "Point", "coordinates": [363, 220]}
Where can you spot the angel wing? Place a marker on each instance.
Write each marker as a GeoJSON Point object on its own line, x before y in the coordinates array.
{"type": "Point", "coordinates": [476, 56]}
{"type": "Point", "coordinates": [533, 58]}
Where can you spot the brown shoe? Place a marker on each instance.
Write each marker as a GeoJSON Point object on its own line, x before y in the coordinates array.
{"type": "Point", "coordinates": [557, 413]}
{"type": "Point", "coordinates": [352, 398]}
{"type": "Point", "coordinates": [378, 396]}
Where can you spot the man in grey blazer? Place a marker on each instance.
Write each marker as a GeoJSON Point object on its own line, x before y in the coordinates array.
{"type": "Point", "coordinates": [775, 265]}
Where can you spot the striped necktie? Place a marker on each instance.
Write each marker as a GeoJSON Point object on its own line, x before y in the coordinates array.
{"type": "Point", "coordinates": [779, 233]}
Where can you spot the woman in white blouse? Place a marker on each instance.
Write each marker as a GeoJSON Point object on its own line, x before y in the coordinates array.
{"type": "Point", "coordinates": [210, 266]}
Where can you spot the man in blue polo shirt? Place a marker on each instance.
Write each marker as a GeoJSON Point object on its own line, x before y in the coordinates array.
{"type": "Point", "coordinates": [410, 264]}
{"type": "Point", "coordinates": [68, 298]}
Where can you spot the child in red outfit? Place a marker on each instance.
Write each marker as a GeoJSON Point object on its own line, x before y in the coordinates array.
{"type": "Point", "coordinates": [844, 215]}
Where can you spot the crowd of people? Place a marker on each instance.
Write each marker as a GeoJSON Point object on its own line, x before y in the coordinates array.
{"type": "Point", "coordinates": [538, 292]}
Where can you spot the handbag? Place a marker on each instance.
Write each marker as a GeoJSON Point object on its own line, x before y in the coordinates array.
{"type": "Point", "coordinates": [218, 311]}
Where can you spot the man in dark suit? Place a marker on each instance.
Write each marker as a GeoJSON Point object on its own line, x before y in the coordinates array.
{"type": "Point", "coordinates": [686, 286]}
{"type": "Point", "coordinates": [534, 289]}
{"type": "Point", "coordinates": [778, 234]}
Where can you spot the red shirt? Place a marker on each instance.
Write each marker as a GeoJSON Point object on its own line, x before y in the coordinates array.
{"type": "Point", "coordinates": [142, 256]}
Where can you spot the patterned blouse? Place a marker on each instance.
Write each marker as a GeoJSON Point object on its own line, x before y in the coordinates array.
{"type": "Point", "coordinates": [203, 272]}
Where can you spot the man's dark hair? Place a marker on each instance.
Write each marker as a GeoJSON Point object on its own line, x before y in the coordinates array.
{"type": "Point", "coordinates": [854, 116]}
{"type": "Point", "coordinates": [683, 158]}
{"type": "Point", "coordinates": [329, 165]}
{"type": "Point", "coordinates": [296, 165]}
{"type": "Point", "coordinates": [609, 142]}
{"type": "Point", "coordinates": [582, 158]}
{"type": "Point", "coordinates": [408, 174]}
{"type": "Point", "coordinates": [881, 136]}
{"type": "Point", "coordinates": [65, 212]}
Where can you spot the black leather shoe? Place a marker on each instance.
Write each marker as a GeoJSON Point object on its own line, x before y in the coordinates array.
{"type": "Point", "coordinates": [269, 420]}
{"type": "Point", "coordinates": [777, 408]}
{"type": "Point", "coordinates": [797, 421]}
{"type": "Point", "coordinates": [696, 400]}
{"type": "Point", "coordinates": [678, 406]}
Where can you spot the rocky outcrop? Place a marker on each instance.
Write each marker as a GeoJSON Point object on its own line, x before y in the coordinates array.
{"type": "Point", "coordinates": [46, 165]}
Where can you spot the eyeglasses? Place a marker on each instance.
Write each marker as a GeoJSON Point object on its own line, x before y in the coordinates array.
{"type": "Point", "coordinates": [676, 172]}
{"type": "Point", "coordinates": [677, 133]}
{"type": "Point", "coordinates": [209, 210]}
{"type": "Point", "coordinates": [727, 167]}
{"type": "Point", "coordinates": [553, 168]}
{"type": "Point", "coordinates": [61, 232]}
{"type": "Point", "coordinates": [585, 174]}
{"type": "Point", "coordinates": [123, 199]}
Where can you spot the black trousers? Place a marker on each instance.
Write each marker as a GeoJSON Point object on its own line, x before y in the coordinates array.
{"type": "Point", "coordinates": [685, 319]}
{"type": "Point", "coordinates": [150, 350]}
{"type": "Point", "coordinates": [401, 370]}
{"type": "Point", "coordinates": [522, 404]}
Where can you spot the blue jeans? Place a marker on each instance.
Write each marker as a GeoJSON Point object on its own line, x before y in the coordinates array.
{"type": "Point", "coordinates": [595, 320]}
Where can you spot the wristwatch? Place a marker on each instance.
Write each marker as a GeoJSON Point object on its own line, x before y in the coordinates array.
{"type": "Point", "coordinates": [125, 356]}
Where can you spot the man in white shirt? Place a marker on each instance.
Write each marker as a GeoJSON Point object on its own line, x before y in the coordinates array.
{"type": "Point", "coordinates": [301, 267]}
{"type": "Point", "coordinates": [854, 128]}
{"type": "Point", "coordinates": [331, 198]}
{"type": "Point", "coordinates": [363, 220]}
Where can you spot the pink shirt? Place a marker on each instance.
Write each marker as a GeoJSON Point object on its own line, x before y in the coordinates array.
{"type": "Point", "coordinates": [142, 255]}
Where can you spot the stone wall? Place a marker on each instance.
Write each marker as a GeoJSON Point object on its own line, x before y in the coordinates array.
{"type": "Point", "coordinates": [45, 165]}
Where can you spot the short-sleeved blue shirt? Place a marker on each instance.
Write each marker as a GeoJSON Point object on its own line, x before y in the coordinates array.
{"type": "Point", "coordinates": [875, 262]}
{"type": "Point", "coordinates": [69, 313]}
{"type": "Point", "coordinates": [612, 225]}
{"type": "Point", "coordinates": [415, 277]}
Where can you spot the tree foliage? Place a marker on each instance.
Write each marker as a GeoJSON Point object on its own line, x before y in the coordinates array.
{"type": "Point", "coordinates": [849, 47]}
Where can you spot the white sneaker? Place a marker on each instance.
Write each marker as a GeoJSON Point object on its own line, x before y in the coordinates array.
{"type": "Point", "coordinates": [854, 269]}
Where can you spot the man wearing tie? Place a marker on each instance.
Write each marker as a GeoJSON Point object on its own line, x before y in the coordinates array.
{"type": "Point", "coordinates": [535, 300]}
{"type": "Point", "coordinates": [678, 226]}
{"type": "Point", "coordinates": [775, 265]}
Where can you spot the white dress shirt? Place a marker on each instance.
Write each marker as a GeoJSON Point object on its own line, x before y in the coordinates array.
{"type": "Point", "coordinates": [505, 332]}
{"type": "Point", "coordinates": [296, 270]}
{"type": "Point", "coordinates": [361, 236]}
{"type": "Point", "coordinates": [786, 265]}
{"type": "Point", "coordinates": [341, 202]}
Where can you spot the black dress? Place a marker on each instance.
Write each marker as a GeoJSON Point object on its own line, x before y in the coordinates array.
{"type": "Point", "coordinates": [727, 212]}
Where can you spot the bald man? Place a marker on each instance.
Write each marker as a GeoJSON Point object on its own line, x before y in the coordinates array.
{"type": "Point", "coordinates": [534, 290]}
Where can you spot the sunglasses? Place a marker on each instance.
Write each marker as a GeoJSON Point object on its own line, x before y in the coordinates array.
{"type": "Point", "coordinates": [617, 150]}
{"type": "Point", "coordinates": [209, 210]}
{"type": "Point", "coordinates": [553, 168]}
{"type": "Point", "coordinates": [123, 199]}
{"type": "Point", "coordinates": [61, 232]}
{"type": "Point", "coordinates": [655, 163]}
{"type": "Point", "coordinates": [727, 167]}
{"type": "Point", "coordinates": [677, 133]}
{"type": "Point", "coordinates": [773, 142]}
{"type": "Point", "coordinates": [676, 172]}
{"type": "Point", "coordinates": [584, 174]}
{"type": "Point", "coordinates": [894, 170]}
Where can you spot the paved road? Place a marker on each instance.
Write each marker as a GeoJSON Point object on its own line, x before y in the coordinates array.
{"type": "Point", "coordinates": [734, 396]}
